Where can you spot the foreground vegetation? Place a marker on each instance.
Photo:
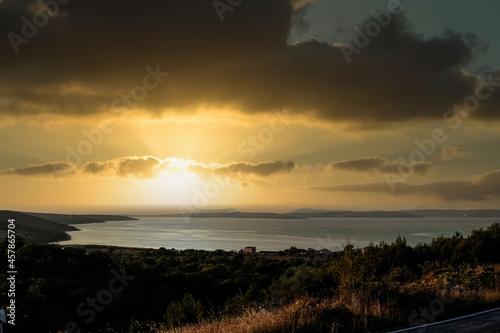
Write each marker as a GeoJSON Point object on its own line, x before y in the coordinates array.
{"type": "Point", "coordinates": [384, 286]}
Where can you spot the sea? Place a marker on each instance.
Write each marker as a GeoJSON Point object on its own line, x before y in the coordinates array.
{"type": "Point", "coordinates": [269, 234]}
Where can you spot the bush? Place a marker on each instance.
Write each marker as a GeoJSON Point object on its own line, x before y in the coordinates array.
{"type": "Point", "coordinates": [187, 311]}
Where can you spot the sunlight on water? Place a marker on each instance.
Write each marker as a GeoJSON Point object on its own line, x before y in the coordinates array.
{"type": "Point", "coordinates": [268, 234]}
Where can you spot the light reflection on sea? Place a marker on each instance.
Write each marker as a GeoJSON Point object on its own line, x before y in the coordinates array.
{"type": "Point", "coordinates": [269, 234]}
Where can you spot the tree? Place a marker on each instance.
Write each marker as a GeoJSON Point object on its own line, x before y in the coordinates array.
{"type": "Point", "coordinates": [189, 310]}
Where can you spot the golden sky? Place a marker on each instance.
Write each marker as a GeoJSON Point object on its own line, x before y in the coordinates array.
{"type": "Point", "coordinates": [152, 106]}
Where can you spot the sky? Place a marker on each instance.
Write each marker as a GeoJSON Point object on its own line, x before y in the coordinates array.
{"type": "Point", "coordinates": [167, 106]}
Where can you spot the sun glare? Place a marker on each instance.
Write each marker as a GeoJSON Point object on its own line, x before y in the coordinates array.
{"type": "Point", "coordinates": [175, 187]}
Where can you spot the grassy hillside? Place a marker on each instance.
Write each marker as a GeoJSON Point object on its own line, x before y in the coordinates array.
{"type": "Point", "coordinates": [382, 287]}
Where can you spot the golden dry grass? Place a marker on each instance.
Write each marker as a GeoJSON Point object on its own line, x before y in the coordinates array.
{"type": "Point", "coordinates": [311, 312]}
{"type": "Point", "coordinates": [285, 319]}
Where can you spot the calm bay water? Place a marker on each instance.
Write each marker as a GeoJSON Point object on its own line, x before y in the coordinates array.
{"type": "Point", "coordinates": [268, 234]}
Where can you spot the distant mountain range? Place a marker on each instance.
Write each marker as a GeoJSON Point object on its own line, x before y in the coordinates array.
{"type": "Point", "coordinates": [304, 213]}
{"type": "Point", "coordinates": [455, 212]}
{"type": "Point", "coordinates": [417, 213]}
{"type": "Point", "coordinates": [238, 215]}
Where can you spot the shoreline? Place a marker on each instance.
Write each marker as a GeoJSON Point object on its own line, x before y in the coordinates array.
{"type": "Point", "coordinates": [265, 253]}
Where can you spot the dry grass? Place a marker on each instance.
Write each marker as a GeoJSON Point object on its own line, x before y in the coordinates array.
{"type": "Point", "coordinates": [350, 311]}
{"type": "Point", "coordinates": [312, 315]}
{"type": "Point", "coordinates": [305, 315]}
{"type": "Point", "coordinates": [291, 318]}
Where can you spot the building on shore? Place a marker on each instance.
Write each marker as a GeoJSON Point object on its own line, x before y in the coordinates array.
{"type": "Point", "coordinates": [250, 250]}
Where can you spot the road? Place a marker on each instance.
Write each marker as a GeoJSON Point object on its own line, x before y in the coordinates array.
{"type": "Point", "coordinates": [482, 322]}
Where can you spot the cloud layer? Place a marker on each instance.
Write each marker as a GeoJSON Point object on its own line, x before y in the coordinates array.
{"type": "Point", "coordinates": [47, 169]}
{"type": "Point", "coordinates": [263, 169]}
{"type": "Point", "coordinates": [378, 165]}
{"type": "Point", "coordinates": [90, 53]}
{"type": "Point", "coordinates": [450, 153]}
{"type": "Point", "coordinates": [482, 188]}
{"type": "Point", "coordinates": [149, 167]}
{"type": "Point", "coordinates": [140, 167]}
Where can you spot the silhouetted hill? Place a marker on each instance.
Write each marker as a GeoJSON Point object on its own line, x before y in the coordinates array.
{"type": "Point", "coordinates": [455, 212]}
{"type": "Point", "coordinates": [239, 215]}
{"type": "Point", "coordinates": [80, 219]}
{"type": "Point", "coordinates": [311, 211]}
{"type": "Point", "coordinates": [226, 210]}
{"type": "Point", "coordinates": [358, 214]}
{"type": "Point", "coordinates": [48, 228]}
{"type": "Point", "coordinates": [33, 228]}
{"type": "Point", "coordinates": [302, 213]}
{"type": "Point", "coordinates": [308, 212]}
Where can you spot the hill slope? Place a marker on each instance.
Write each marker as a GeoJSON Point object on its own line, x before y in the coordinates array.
{"type": "Point", "coordinates": [80, 219]}
{"type": "Point", "coordinates": [304, 213]}
{"type": "Point", "coordinates": [33, 228]}
{"type": "Point", "coordinates": [48, 228]}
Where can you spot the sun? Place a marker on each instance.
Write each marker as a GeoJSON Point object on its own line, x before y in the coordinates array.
{"type": "Point", "coordinates": [175, 186]}
{"type": "Point", "coordinates": [180, 183]}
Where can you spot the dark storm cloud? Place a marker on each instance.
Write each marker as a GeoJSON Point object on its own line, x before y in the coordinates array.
{"type": "Point", "coordinates": [263, 169]}
{"type": "Point", "coordinates": [378, 165]}
{"type": "Point", "coordinates": [91, 52]}
{"type": "Point", "coordinates": [481, 188]}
